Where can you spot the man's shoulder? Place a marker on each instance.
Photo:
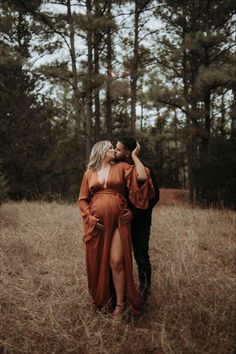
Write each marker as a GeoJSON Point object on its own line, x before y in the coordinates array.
{"type": "Point", "coordinates": [147, 164]}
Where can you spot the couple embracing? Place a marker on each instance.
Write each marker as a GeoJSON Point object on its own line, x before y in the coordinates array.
{"type": "Point", "coordinates": [116, 198]}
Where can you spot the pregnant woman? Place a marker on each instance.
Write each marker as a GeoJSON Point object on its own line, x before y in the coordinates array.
{"type": "Point", "coordinates": [107, 236]}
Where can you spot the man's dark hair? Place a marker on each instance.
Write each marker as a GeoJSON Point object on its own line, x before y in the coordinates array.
{"type": "Point", "coordinates": [128, 142]}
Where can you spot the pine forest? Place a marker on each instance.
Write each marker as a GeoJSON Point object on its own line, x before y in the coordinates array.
{"type": "Point", "coordinates": [75, 72]}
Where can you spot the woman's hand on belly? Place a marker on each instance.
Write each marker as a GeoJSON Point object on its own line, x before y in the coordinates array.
{"type": "Point", "coordinates": [99, 226]}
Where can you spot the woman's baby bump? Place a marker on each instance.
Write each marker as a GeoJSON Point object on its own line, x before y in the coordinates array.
{"type": "Point", "coordinates": [106, 207]}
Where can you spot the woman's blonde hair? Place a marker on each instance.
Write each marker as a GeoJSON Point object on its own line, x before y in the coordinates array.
{"type": "Point", "coordinates": [97, 154]}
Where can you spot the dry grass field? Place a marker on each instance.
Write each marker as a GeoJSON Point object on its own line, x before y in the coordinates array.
{"type": "Point", "coordinates": [45, 306]}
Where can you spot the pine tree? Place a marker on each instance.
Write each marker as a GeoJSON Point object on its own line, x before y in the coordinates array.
{"type": "Point", "coordinates": [197, 51]}
{"type": "Point", "coordinates": [24, 124]}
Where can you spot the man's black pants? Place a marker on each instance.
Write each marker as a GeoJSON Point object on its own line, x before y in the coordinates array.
{"type": "Point", "coordinates": [140, 239]}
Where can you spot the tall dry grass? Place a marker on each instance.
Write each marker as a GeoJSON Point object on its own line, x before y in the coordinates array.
{"type": "Point", "coordinates": [45, 306]}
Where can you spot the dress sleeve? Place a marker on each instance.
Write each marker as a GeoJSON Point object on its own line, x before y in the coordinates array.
{"type": "Point", "coordinates": [84, 199]}
{"type": "Point", "coordinates": [139, 193]}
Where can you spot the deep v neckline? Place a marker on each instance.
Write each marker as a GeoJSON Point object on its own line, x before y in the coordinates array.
{"type": "Point", "coordinates": [104, 185]}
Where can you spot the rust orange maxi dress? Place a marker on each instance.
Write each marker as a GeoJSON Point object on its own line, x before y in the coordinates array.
{"type": "Point", "coordinates": [108, 204]}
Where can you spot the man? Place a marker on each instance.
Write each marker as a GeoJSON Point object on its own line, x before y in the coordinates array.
{"type": "Point", "coordinates": [141, 223]}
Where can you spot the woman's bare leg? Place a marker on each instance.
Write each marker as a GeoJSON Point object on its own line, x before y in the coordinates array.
{"type": "Point", "coordinates": [117, 266]}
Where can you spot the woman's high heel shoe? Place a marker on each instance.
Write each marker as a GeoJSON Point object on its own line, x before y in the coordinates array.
{"type": "Point", "coordinates": [119, 311]}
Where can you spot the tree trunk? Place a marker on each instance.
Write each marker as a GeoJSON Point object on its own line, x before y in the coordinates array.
{"type": "Point", "coordinates": [204, 148]}
{"type": "Point", "coordinates": [191, 160]}
{"type": "Point", "coordinates": [191, 155]}
{"type": "Point", "coordinates": [97, 37]}
{"type": "Point", "coordinates": [223, 119]}
{"type": "Point", "coordinates": [76, 96]}
{"type": "Point", "coordinates": [134, 69]}
{"type": "Point", "coordinates": [108, 117]}
{"type": "Point", "coordinates": [233, 117]}
{"type": "Point", "coordinates": [176, 151]}
{"type": "Point", "coordinates": [89, 83]}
